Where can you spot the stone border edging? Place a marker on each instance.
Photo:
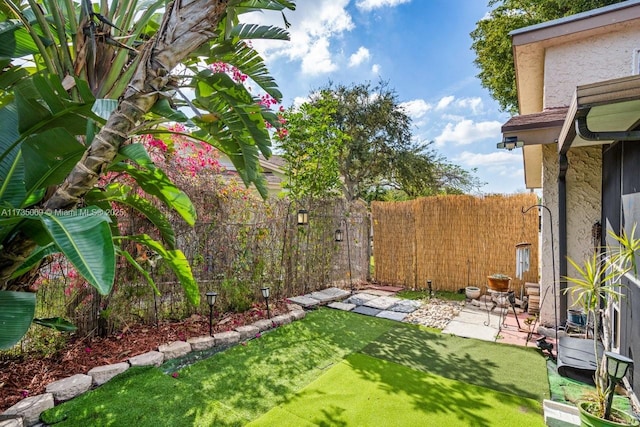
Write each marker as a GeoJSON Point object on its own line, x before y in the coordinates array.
{"type": "Point", "coordinates": [27, 412]}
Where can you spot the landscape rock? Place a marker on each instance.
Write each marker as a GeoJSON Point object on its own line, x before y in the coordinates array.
{"type": "Point", "coordinates": [304, 301]}
{"type": "Point", "coordinates": [297, 314]}
{"type": "Point", "coordinates": [226, 338]}
{"type": "Point", "coordinates": [102, 374]}
{"type": "Point", "coordinates": [201, 343]}
{"type": "Point", "coordinates": [11, 421]}
{"type": "Point", "coordinates": [174, 349]}
{"type": "Point", "coordinates": [31, 408]}
{"type": "Point", "coordinates": [151, 358]}
{"type": "Point", "coordinates": [282, 319]}
{"type": "Point", "coordinates": [68, 388]}
{"type": "Point", "coordinates": [263, 325]}
{"type": "Point", "coordinates": [248, 331]}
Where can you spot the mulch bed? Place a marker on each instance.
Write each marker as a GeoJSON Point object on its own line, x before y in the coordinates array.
{"type": "Point", "coordinates": [28, 375]}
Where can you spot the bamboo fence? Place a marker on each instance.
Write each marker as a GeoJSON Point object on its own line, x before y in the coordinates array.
{"type": "Point", "coordinates": [455, 241]}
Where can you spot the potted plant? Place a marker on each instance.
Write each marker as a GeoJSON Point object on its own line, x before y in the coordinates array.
{"type": "Point", "coordinates": [499, 282]}
{"type": "Point", "coordinates": [594, 284]}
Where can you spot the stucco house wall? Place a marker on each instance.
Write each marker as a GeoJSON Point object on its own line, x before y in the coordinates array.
{"type": "Point", "coordinates": [582, 61]}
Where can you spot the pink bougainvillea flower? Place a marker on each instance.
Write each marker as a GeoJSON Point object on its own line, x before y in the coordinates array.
{"type": "Point", "coordinates": [87, 350]}
{"type": "Point", "coordinates": [24, 393]}
{"type": "Point", "coordinates": [258, 335]}
{"type": "Point", "coordinates": [175, 375]}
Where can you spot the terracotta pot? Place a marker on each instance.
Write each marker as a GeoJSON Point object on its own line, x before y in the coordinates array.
{"type": "Point", "coordinates": [590, 420]}
{"type": "Point", "coordinates": [497, 284]}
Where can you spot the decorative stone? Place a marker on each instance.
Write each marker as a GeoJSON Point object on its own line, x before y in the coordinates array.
{"type": "Point", "coordinates": [174, 349]}
{"type": "Point", "coordinates": [336, 292]}
{"type": "Point", "coordinates": [366, 310]}
{"type": "Point", "coordinates": [297, 314]}
{"type": "Point", "coordinates": [329, 295]}
{"type": "Point", "coordinates": [31, 408]}
{"type": "Point", "coordinates": [68, 388]}
{"type": "Point", "coordinates": [360, 299]}
{"type": "Point", "coordinates": [102, 374]}
{"type": "Point", "coordinates": [382, 303]}
{"type": "Point", "coordinates": [304, 301]}
{"type": "Point", "coordinates": [201, 343]}
{"type": "Point", "coordinates": [282, 319]}
{"type": "Point", "coordinates": [11, 421]}
{"type": "Point", "coordinates": [342, 306]}
{"type": "Point", "coordinates": [151, 358]}
{"type": "Point", "coordinates": [392, 315]}
{"type": "Point", "coordinates": [263, 325]}
{"type": "Point", "coordinates": [247, 331]}
{"type": "Point", "coordinates": [405, 306]}
{"type": "Point", "coordinates": [294, 307]}
{"type": "Point", "coordinates": [226, 338]}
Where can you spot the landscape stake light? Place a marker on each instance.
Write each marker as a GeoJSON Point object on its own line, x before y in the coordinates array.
{"type": "Point", "coordinates": [617, 366]}
{"type": "Point", "coordinates": [338, 235]}
{"type": "Point", "coordinates": [211, 300]}
{"type": "Point", "coordinates": [303, 217]}
{"type": "Point", "coordinates": [265, 294]}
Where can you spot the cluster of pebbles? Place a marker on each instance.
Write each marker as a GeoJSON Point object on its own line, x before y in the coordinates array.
{"type": "Point", "coordinates": [435, 313]}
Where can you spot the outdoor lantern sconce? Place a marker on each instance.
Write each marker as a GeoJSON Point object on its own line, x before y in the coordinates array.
{"type": "Point", "coordinates": [303, 217]}
{"type": "Point", "coordinates": [617, 366]}
{"type": "Point", "coordinates": [265, 294]}
{"type": "Point", "coordinates": [510, 142]}
{"type": "Point", "coordinates": [211, 300]}
{"type": "Point", "coordinates": [339, 236]}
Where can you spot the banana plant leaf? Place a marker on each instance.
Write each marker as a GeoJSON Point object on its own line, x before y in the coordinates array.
{"type": "Point", "coordinates": [16, 313]}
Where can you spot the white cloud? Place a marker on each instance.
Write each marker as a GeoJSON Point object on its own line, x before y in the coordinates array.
{"type": "Point", "coordinates": [416, 108]}
{"type": "Point", "coordinates": [474, 103]}
{"type": "Point", "coordinates": [314, 24]}
{"type": "Point", "coordinates": [467, 131]}
{"type": "Point", "coordinates": [444, 102]}
{"type": "Point", "coordinates": [318, 59]}
{"type": "Point", "coordinates": [299, 100]}
{"type": "Point", "coordinates": [367, 5]}
{"type": "Point", "coordinates": [375, 68]}
{"type": "Point", "coordinates": [497, 158]}
{"type": "Point", "coordinates": [359, 57]}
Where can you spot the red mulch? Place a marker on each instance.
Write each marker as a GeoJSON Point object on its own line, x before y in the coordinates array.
{"type": "Point", "coordinates": [29, 375]}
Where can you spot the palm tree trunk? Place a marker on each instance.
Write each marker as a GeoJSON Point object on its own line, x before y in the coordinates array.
{"type": "Point", "coordinates": [186, 25]}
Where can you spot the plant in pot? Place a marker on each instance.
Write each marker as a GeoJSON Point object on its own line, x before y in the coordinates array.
{"type": "Point", "coordinates": [499, 282]}
{"type": "Point", "coordinates": [595, 282]}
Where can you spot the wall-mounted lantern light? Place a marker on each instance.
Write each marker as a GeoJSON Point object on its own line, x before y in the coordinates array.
{"type": "Point", "coordinates": [303, 217]}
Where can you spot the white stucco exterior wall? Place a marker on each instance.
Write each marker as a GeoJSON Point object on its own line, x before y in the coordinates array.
{"type": "Point", "coordinates": [584, 190]}
{"type": "Point", "coordinates": [606, 56]}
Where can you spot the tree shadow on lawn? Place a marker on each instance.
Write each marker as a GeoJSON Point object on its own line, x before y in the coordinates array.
{"type": "Point", "coordinates": [509, 369]}
{"type": "Point", "coordinates": [366, 391]}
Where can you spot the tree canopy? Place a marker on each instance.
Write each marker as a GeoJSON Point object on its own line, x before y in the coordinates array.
{"type": "Point", "coordinates": [357, 141]}
{"type": "Point", "coordinates": [492, 43]}
{"type": "Point", "coordinates": [78, 82]}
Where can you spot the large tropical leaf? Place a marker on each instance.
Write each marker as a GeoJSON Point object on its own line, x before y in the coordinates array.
{"type": "Point", "coordinates": [84, 237]}
{"type": "Point", "coordinates": [125, 195]}
{"type": "Point", "coordinates": [156, 183]}
{"type": "Point", "coordinates": [16, 312]}
{"type": "Point", "coordinates": [15, 41]}
{"type": "Point", "coordinates": [35, 258]}
{"type": "Point", "coordinates": [140, 269]}
{"type": "Point", "coordinates": [176, 261]}
{"type": "Point", "coordinates": [57, 323]}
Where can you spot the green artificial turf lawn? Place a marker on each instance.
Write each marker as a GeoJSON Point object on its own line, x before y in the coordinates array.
{"type": "Point", "coordinates": [238, 385]}
{"type": "Point", "coordinates": [365, 391]}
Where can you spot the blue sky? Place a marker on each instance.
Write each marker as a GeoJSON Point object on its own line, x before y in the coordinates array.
{"type": "Point", "coordinates": [422, 48]}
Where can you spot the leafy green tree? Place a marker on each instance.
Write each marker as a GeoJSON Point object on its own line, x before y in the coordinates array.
{"type": "Point", "coordinates": [357, 140]}
{"type": "Point", "coordinates": [78, 82]}
{"type": "Point", "coordinates": [492, 44]}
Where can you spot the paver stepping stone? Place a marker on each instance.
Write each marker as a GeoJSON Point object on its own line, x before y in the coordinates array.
{"type": "Point", "coordinates": [406, 306]}
{"type": "Point", "coordinates": [342, 306]}
{"type": "Point", "coordinates": [392, 315]}
{"type": "Point", "coordinates": [378, 292]}
{"type": "Point", "coordinates": [382, 303]}
{"type": "Point", "coordinates": [304, 301]}
{"type": "Point", "coordinates": [336, 292]}
{"type": "Point", "coordinates": [31, 408]}
{"type": "Point", "coordinates": [366, 310]}
{"type": "Point", "coordinates": [102, 374]}
{"type": "Point", "coordinates": [322, 297]}
{"type": "Point", "coordinates": [466, 330]}
{"type": "Point", "coordinates": [360, 299]}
